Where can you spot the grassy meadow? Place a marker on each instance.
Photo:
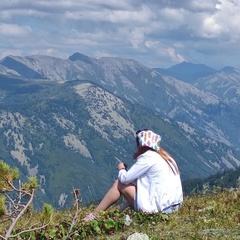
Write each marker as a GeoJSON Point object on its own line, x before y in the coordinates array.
{"type": "Point", "coordinates": [214, 215]}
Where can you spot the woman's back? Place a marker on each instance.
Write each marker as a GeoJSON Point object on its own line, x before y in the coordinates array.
{"type": "Point", "coordinates": [159, 187]}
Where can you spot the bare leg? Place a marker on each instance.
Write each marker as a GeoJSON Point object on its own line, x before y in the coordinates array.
{"type": "Point", "coordinates": [114, 193]}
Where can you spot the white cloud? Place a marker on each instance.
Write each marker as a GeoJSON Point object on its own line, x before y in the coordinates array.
{"type": "Point", "coordinates": [12, 52]}
{"type": "Point", "coordinates": [210, 28]}
{"type": "Point", "coordinates": [224, 22]}
{"type": "Point", "coordinates": [151, 44]}
{"type": "Point", "coordinates": [203, 5]}
{"type": "Point", "coordinates": [121, 16]}
{"type": "Point", "coordinates": [132, 17]}
{"type": "Point", "coordinates": [137, 37]}
{"type": "Point", "coordinates": [99, 54]}
{"type": "Point", "coordinates": [174, 56]}
{"type": "Point", "coordinates": [172, 16]}
{"type": "Point", "coordinates": [152, 32]}
{"type": "Point", "coordinates": [13, 30]}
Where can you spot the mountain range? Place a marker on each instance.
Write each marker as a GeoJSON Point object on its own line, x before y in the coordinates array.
{"type": "Point", "coordinates": [69, 121]}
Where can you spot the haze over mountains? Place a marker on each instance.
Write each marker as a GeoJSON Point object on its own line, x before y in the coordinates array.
{"type": "Point", "coordinates": [68, 120]}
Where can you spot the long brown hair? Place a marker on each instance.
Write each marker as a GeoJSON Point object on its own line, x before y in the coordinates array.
{"type": "Point", "coordinates": [163, 153]}
{"type": "Point", "coordinates": [169, 159]}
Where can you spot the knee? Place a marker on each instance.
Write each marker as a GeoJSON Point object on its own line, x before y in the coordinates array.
{"type": "Point", "coordinates": [120, 186]}
{"type": "Point", "coordinates": [116, 184]}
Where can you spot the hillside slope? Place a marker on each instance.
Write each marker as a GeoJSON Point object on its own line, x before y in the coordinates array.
{"type": "Point", "coordinates": [67, 121]}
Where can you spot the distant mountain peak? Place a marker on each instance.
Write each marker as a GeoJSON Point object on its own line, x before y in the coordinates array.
{"type": "Point", "coordinates": [188, 72]}
{"type": "Point", "coordinates": [191, 68]}
{"type": "Point", "coordinates": [229, 69]}
{"type": "Point", "coordinates": [188, 64]}
{"type": "Point", "coordinates": [80, 57]}
{"type": "Point", "coordinates": [21, 66]}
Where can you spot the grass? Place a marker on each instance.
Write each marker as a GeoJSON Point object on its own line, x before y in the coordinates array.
{"type": "Point", "coordinates": [214, 216]}
{"type": "Point", "coordinates": [211, 216]}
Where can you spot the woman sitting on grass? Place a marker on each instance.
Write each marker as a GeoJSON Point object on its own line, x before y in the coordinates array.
{"type": "Point", "coordinates": [158, 184]}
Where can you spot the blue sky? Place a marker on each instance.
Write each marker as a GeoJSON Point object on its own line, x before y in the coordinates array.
{"type": "Point", "coordinates": [156, 33]}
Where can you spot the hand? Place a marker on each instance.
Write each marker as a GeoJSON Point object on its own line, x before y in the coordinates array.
{"type": "Point", "coordinates": [121, 166]}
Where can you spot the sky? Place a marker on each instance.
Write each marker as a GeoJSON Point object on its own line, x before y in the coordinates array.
{"type": "Point", "coordinates": [156, 33]}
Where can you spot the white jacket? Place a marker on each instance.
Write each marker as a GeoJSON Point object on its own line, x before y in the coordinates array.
{"type": "Point", "coordinates": [157, 186]}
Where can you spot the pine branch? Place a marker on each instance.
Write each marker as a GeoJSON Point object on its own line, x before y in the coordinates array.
{"type": "Point", "coordinates": [77, 200]}
{"type": "Point", "coordinates": [10, 229]}
{"type": "Point", "coordinates": [30, 230]}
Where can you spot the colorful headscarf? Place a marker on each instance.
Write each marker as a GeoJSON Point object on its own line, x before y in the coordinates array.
{"type": "Point", "coordinates": [149, 138]}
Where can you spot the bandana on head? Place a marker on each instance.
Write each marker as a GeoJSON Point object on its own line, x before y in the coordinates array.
{"type": "Point", "coordinates": [149, 138]}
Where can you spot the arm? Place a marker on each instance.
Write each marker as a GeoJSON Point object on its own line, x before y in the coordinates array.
{"type": "Point", "coordinates": [138, 169]}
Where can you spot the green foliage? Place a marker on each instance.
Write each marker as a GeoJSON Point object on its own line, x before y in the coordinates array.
{"type": "Point", "coordinates": [31, 184]}
{"type": "Point", "coordinates": [15, 202]}
{"type": "Point", "coordinates": [212, 216]}
{"type": "Point", "coordinates": [47, 213]}
{"type": "Point", "coordinates": [141, 217]}
{"type": "Point", "coordinates": [221, 180]}
{"type": "Point", "coordinates": [3, 207]}
{"type": "Point", "coordinates": [7, 175]}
